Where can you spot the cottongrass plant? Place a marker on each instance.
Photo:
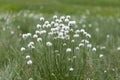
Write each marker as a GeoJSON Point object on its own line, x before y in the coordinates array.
{"type": "Point", "coordinates": [58, 50]}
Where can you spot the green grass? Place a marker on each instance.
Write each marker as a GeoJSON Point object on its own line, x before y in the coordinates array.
{"type": "Point", "coordinates": [19, 17]}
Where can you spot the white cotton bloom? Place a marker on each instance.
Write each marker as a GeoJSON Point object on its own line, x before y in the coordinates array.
{"type": "Point", "coordinates": [85, 41]}
{"type": "Point", "coordinates": [105, 71]}
{"type": "Point", "coordinates": [82, 30]}
{"type": "Point", "coordinates": [39, 39]}
{"type": "Point", "coordinates": [29, 62]}
{"type": "Point", "coordinates": [72, 41]}
{"type": "Point", "coordinates": [101, 55]}
{"type": "Point", "coordinates": [64, 44]}
{"type": "Point", "coordinates": [52, 22]}
{"type": "Point", "coordinates": [37, 32]}
{"type": "Point", "coordinates": [62, 17]}
{"type": "Point", "coordinates": [43, 32]}
{"type": "Point", "coordinates": [89, 45]}
{"type": "Point", "coordinates": [71, 30]}
{"type": "Point", "coordinates": [66, 20]}
{"type": "Point", "coordinates": [31, 45]}
{"type": "Point", "coordinates": [22, 49]}
{"type": "Point", "coordinates": [44, 25]}
{"type": "Point", "coordinates": [77, 48]}
{"type": "Point", "coordinates": [88, 35]}
{"type": "Point", "coordinates": [93, 49]}
{"type": "Point", "coordinates": [61, 25]}
{"type": "Point", "coordinates": [68, 17]}
{"type": "Point", "coordinates": [118, 48]}
{"type": "Point", "coordinates": [46, 22]}
{"type": "Point", "coordinates": [57, 20]}
{"type": "Point", "coordinates": [76, 35]}
{"type": "Point", "coordinates": [55, 17]}
{"type": "Point", "coordinates": [81, 44]}
{"type": "Point", "coordinates": [68, 50]}
{"type": "Point", "coordinates": [38, 26]}
{"type": "Point", "coordinates": [71, 23]}
{"type": "Point", "coordinates": [24, 36]}
{"type": "Point", "coordinates": [85, 33]}
{"type": "Point", "coordinates": [56, 24]}
{"type": "Point", "coordinates": [48, 44]}
{"type": "Point", "coordinates": [108, 36]}
{"type": "Point", "coordinates": [30, 78]}
{"type": "Point", "coordinates": [42, 19]}
{"type": "Point", "coordinates": [35, 36]}
{"type": "Point", "coordinates": [50, 33]}
{"type": "Point", "coordinates": [27, 57]}
{"type": "Point", "coordinates": [71, 69]}
{"type": "Point", "coordinates": [12, 32]}
{"type": "Point", "coordinates": [77, 31]}
{"type": "Point", "coordinates": [29, 34]}
{"type": "Point", "coordinates": [48, 25]}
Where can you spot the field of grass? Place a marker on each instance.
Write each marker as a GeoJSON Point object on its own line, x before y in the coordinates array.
{"type": "Point", "coordinates": [81, 43]}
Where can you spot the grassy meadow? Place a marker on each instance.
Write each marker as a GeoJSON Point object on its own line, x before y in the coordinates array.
{"type": "Point", "coordinates": [60, 40]}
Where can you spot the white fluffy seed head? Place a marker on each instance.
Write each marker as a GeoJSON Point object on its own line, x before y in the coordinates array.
{"type": "Point", "coordinates": [71, 23]}
{"type": "Point", "coordinates": [89, 45]}
{"type": "Point", "coordinates": [118, 48]}
{"type": "Point", "coordinates": [81, 44]}
{"type": "Point", "coordinates": [71, 69]}
{"type": "Point", "coordinates": [22, 49]}
{"type": "Point", "coordinates": [101, 55]}
{"type": "Point", "coordinates": [68, 16]}
{"type": "Point", "coordinates": [30, 78]}
{"type": "Point", "coordinates": [93, 49]}
{"type": "Point", "coordinates": [46, 22]}
{"type": "Point", "coordinates": [31, 45]}
{"type": "Point", "coordinates": [48, 44]}
{"type": "Point", "coordinates": [38, 26]}
{"type": "Point", "coordinates": [62, 17]}
{"type": "Point", "coordinates": [68, 50]}
{"type": "Point", "coordinates": [76, 35]}
{"type": "Point", "coordinates": [29, 62]}
{"type": "Point", "coordinates": [42, 19]}
{"type": "Point", "coordinates": [72, 41]}
{"type": "Point", "coordinates": [77, 48]}
{"type": "Point", "coordinates": [35, 36]}
{"type": "Point", "coordinates": [55, 17]}
{"type": "Point", "coordinates": [27, 57]}
{"type": "Point", "coordinates": [39, 39]}
{"type": "Point", "coordinates": [66, 20]}
{"type": "Point", "coordinates": [24, 36]}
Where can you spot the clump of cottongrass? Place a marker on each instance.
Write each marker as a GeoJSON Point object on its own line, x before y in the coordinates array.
{"type": "Point", "coordinates": [63, 36]}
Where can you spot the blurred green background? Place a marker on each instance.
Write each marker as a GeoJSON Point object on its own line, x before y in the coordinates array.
{"type": "Point", "coordinates": [61, 6]}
